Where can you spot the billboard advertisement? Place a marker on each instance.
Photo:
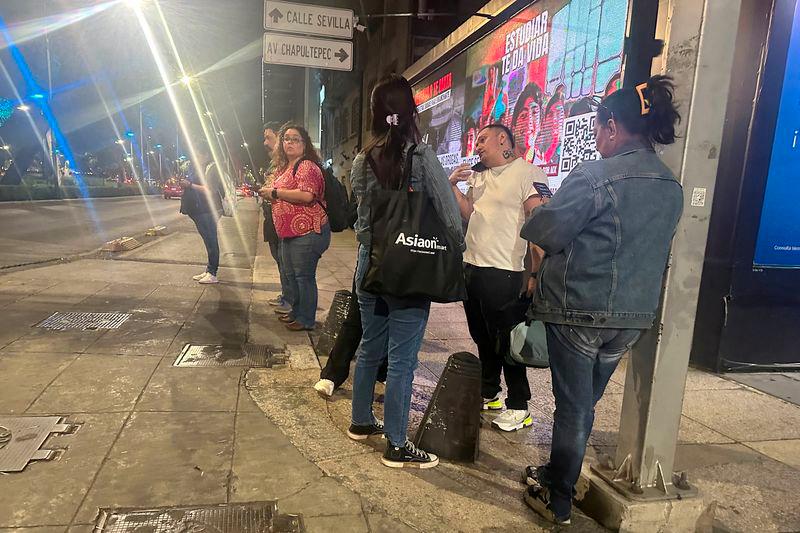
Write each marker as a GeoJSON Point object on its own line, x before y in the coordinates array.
{"type": "Point", "coordinates": [534, 74]}
{"type": "Point", "coordinates": [778, 242]}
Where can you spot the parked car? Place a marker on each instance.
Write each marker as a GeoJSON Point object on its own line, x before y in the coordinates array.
{"type": "Point", "coordinates": [172, 190]}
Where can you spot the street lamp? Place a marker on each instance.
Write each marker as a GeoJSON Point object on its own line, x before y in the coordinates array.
{"type": "Point", "coordinates": [186, 80]}
{"type": "Point", "coordinates": [6, 147]}
{"type": "Point", "coordinates": [24, 107]}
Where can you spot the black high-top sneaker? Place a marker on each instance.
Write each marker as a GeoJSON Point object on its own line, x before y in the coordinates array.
{"type": "Point", "coordinates": [408, 456]}
{"type": "Point", "coordinates": [364, 432]}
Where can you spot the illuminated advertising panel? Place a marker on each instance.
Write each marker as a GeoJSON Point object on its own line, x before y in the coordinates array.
{"type": "Point", "coordinates": [534, 74]}
{"type": "Point", "coordinates": [778, 243]}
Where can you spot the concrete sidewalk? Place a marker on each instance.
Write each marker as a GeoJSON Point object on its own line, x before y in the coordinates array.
{"type": "Point", "coordinates": [740, 447]}
{"type": "Point", "coordinates": [152, 434]}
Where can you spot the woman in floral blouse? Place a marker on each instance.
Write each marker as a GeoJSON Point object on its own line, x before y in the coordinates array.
{"type": "Point", "coordinates": [298, 210]}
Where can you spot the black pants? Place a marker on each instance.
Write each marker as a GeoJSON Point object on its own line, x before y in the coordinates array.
{"type": "Point", "coordinates": [337, 369]}
{"type": "Point", "coordinates": [488, 291]}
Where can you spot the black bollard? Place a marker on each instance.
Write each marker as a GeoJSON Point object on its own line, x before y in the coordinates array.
{"type": "Point", "coordinates": [333, 323]}
{"type": "Point", "coordinates": [451, 425]}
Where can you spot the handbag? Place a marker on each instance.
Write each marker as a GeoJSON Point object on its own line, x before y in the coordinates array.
{"type": "Point", "coordinates": [412, 254]}
{"type": "Point", "coordinates": [529, 345]}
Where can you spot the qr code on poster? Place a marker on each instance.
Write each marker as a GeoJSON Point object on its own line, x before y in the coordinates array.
{"type": "Point", "coordinates": [577, 142]}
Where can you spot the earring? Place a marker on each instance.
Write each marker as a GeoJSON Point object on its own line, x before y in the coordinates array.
{"type": "Point", "coordinates": [508, 154]}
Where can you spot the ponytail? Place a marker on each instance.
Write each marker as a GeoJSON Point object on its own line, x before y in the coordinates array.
{"type": "Point", "coordinates": [648, 111]}
{"type": "Point", "coordinates": [394, 123]}
{"type": "Point", "coordinates": [662, 115]}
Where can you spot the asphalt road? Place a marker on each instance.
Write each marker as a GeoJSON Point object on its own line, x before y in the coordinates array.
{"type": "Point", "coordinates": [40, 231]}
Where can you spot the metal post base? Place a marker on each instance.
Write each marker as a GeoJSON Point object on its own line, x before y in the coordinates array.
{"type": "Point", "coordinates": [620, 478]}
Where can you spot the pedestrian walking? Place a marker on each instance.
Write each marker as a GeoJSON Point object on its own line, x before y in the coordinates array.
{"type": "Point", "coordinates": [298, 212]}
{"type": "Point", "coordinates": [203, 193]}
{"type": "Point", "coordinates": [394, 326]}
{"type": "Point", "coordinates": [606, 234]}
{"type": "Point", "coordinates": [497, 201]}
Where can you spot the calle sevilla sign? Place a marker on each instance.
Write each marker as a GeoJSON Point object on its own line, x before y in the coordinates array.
{"type": "Point", "coordinates": [308, 19]}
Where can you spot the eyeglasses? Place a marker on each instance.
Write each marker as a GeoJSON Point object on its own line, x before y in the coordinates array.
{"type": "Point", "coordinates": [292, 140]}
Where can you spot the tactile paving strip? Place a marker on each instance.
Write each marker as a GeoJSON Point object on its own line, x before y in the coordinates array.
{"type": "Point", "coordinates": [83, 321]}
{"type": "Point", "coordinates": [257, 517]}
{"type": "Point", "coordinates": [21, 436]}
{"type": "Point", "coordinates": [211, 355]}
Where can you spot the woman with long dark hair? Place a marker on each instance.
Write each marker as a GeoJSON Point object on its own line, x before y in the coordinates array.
{"type": "Point", "coordinates": [298, 211]}
{"type": "Point", "coordinates": [393, 326]}
{"type": "Point", "coordinates": [606, 234]}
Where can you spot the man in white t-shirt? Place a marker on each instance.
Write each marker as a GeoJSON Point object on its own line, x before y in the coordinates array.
{"type": "Point", "coordinates": [496, 204]}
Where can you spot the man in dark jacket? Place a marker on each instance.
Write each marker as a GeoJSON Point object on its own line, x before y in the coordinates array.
{"type": "Point", "coordinates": [271, 132]}
{"type": "Point", "coordinates": [203, 192]}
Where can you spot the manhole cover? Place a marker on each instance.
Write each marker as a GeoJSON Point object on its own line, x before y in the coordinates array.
{"type": "Point", "coordinates": [260, 517]}
{"type": "Point", "coordinates": [5, 437]}
{"type": "Point", "coordinates": [249, 355]}
{"type": "Point", "coordinates": [83, 321]}
{"type": "Point", "coordinates": [21, 436]}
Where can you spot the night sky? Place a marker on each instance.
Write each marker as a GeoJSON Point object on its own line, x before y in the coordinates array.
{"type": "Point", "coordinates": [103, 69]}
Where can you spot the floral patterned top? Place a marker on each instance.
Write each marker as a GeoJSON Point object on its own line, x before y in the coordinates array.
{"type": "Point", "coordinates": [296, 220]}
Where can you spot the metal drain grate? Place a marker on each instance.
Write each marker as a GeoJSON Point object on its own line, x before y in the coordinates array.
{"type": "Point", "coordinates": [249, 355]}
{"type": "Point", "coordinates": [84, 321]}
{"type": "Point", "coordinates": [21, 436]}
{"type": "Point", "coordinates": [258, 517]}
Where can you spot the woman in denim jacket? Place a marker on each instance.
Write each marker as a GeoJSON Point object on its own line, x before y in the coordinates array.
{"type": "Point", "coordinates": [393, 325]}
{"type": "Point", "coordinates": [606, 234]}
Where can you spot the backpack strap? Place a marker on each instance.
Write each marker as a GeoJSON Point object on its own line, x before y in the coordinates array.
{"type": "Point", "coordinates": [322, 172]}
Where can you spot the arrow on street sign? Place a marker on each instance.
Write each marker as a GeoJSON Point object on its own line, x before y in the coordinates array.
{"type": "Point", "coordinates": [276, 15]}
{"type": "Point", "coordinates": [308, 19]}
{"type": "Point", "coordinates": [301, 51]}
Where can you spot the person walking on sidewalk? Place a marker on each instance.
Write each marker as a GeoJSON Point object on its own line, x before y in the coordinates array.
{"type": "Point", "coordinates": [298, 211]}
{"type": "Point", "coordinates": [201, 200]}
{"type": "Point", "coordinates": [271, 130]}
{"type": "Point", "coordinates": [606, 234]}
{"type": "Point", "coordinates": [495, 206]}
{"type": "Point", "coordinates": [393, 326]}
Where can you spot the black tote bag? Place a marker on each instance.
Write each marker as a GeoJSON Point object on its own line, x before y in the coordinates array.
{"type": "Point", "coordinates": [412, 253]}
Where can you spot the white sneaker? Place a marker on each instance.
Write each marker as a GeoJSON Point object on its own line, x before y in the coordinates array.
{"type": "Point", "coordinates": [199, 276]}
{"type": "Point", "coordinates": [513, 419]}
{"type": "Point", "coordinates": [324, 387]}
{"type": "Point", "coordinates": [208, 279]}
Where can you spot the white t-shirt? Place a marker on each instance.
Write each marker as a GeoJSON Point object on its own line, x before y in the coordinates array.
{"type": "Point", "coordinates": [498, 195]}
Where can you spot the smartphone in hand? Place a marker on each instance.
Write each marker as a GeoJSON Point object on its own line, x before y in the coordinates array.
{"type": "Point", "coordinates": [543, 190]}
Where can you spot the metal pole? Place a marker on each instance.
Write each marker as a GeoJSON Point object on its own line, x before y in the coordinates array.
{"type": "Point", "coordinates": [656, 374]}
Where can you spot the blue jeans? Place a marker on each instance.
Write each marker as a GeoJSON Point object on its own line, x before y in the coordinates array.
{"type": "Point", "coordinates": [582, 360]}
{"type": "Point", "coordinates": [389, 327]}
{"type": "Point", "coordinates": [299, 259]}
{"type": "Point", "coordinates": [275, 250]}
{"type": "Point", "coordinates": [206, 224]}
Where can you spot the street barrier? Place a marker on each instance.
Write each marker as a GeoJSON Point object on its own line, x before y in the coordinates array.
{"type": "Point", "coordinates": [450, 427]}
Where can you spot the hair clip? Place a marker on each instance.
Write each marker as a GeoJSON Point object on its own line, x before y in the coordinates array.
{"type": "Point", "coordinates": [392, 120]}
{"type": "Point", "coordinates": [644, 101]}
